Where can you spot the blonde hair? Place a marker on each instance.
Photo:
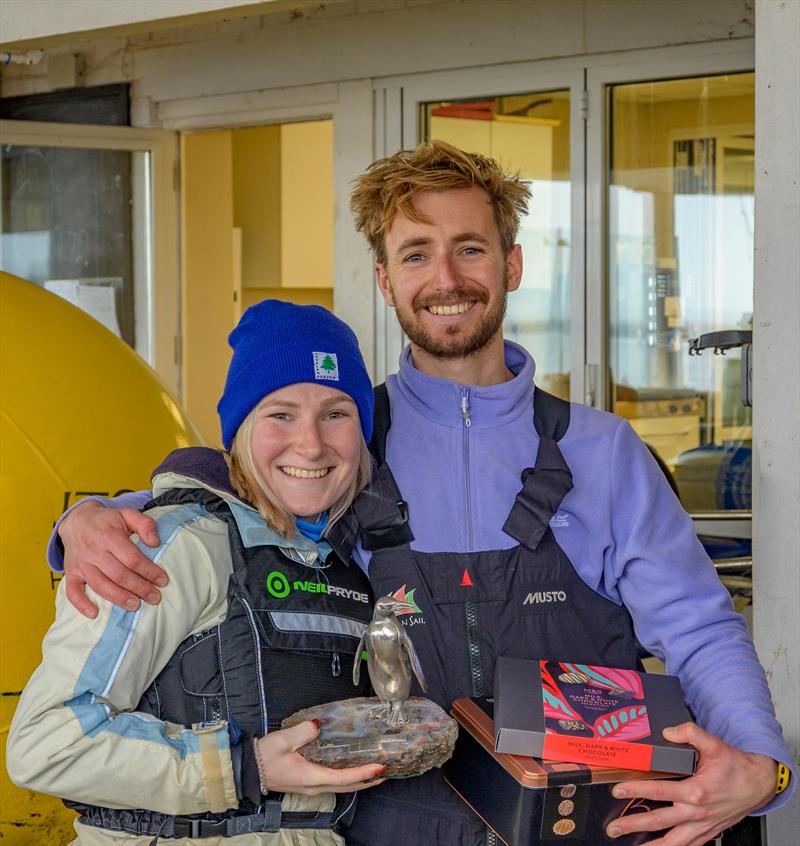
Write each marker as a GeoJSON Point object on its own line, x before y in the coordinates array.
{"type": "Point", "coordinates": [249, 484]}
{"type": "Point", "coordinates": [389, 186]}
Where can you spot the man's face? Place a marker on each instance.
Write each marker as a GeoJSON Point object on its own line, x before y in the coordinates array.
{"type": "Point", "coordinates": [447, 279]}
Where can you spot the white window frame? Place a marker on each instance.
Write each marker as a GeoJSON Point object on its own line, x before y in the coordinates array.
{"type": "Point", "coordinates": [397, 111]}
{"type": "Point", "coordinates": [162, 313]}
{"type": "Point", "coordinates": [350, 106]}
{"type": "Point", "coordinates": [690, 60]}
{"type": "Point", "coordinates": [397, 101]}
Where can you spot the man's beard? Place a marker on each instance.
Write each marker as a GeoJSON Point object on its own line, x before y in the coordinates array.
{"type": "Point", "coordinates": [452, 343]}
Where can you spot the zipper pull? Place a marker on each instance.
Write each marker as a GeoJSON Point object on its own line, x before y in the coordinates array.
{"type": "Point", "coordinates": [465, 409]}
{"type": "Point", "coordinates": [336, 666]}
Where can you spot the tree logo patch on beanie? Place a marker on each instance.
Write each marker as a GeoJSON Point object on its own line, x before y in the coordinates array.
{"type": "Point", "coordinates": [326, 366]}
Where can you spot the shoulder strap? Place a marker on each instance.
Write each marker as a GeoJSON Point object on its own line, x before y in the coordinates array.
{"type": "Point", "coordinates": [381, 421]}
{"type": "Point", "coordinates": [379, 515]}
{"type": "Point", "coordinates": [550, 415]}
{"type": "Point", "coordinates": [549, 481]}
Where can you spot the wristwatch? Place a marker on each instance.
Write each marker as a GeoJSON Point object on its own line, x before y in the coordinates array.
{"type": "Point", "coordinates": [784, 774]}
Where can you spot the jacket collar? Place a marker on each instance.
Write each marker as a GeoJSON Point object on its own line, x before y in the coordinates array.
{"type": "Point", "coordinates": [440, 400]}
{"type": "Point", "coordinates": [193, 467]}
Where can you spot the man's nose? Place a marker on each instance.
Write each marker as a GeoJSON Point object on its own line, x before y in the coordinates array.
{"type": "Point", "coordinates": [446, 274]}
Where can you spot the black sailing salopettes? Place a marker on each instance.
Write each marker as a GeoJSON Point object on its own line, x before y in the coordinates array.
{"type": "Point", "coordinates": [470, 608]}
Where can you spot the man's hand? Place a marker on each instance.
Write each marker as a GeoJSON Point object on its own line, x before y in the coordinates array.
{"type": "Point", "coordinates": [98, 551]}
{"type": "Point", "coordinates": [727, 785]}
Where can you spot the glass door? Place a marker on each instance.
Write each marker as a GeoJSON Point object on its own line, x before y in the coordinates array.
{"type": "Point", "coordinates": [89, 213]}
{"type": "Point", "coordinates": [527, 134]}
{"type": "Point", "coordinates": [530, 121]}
{"type": "Point", "coordinates": [680, 264]}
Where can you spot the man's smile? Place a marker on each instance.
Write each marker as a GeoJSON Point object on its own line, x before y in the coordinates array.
{"type": "Point", "coordinates": [455, 308]}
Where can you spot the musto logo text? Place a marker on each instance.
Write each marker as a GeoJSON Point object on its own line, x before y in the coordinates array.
{"type": "Point", "coordinates": [279, 586]}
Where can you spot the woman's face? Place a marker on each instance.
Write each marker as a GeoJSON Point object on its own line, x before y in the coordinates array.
{"type": "Point", "coordinates": [306, 445]}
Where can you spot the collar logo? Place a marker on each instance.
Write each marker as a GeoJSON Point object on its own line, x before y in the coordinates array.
{"type": "Point", "coordinates": [406, 598]}
{"type": "Point", "coordinates": [326, 366]}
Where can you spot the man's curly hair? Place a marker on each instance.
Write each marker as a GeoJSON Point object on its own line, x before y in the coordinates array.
{"type": "Point", "coordinates": [389, 185]}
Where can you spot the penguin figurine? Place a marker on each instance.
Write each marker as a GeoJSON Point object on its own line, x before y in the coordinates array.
{"type": "Point", "coordinates": [390, 660]}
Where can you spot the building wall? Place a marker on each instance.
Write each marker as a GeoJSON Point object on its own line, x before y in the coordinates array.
{"type": "Point", "coordinates": [375, 38]}
{"type": "Point", "coordinates": [23, 20]}
{"type": "Point", "coordinates": [776, 377]}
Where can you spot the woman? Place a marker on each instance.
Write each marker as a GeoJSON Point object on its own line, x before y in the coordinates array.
{"type": "Point", "coordinates": [165, 722]}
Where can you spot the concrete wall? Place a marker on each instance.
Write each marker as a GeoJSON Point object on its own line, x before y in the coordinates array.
{"type": "Point", "coordinates": [776, 376]}
{"type": "Point", "coordinates": [23, 20]}
{"type": "Point", "coordinates": [362, 39]}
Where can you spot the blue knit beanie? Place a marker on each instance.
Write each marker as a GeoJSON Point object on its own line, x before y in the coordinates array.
{"type": "Point", "coordinates": [276, 344]}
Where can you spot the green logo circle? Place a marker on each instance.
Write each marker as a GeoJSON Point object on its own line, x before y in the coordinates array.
{"type": "Point", "coordinates": [278, 584]}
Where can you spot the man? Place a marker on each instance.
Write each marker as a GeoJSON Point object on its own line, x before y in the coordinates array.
{"type": "Point", "coordinates": [512, 495]}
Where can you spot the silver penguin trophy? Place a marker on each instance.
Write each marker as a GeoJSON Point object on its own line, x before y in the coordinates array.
{"type": "Point", "coordinates": [390, 660]}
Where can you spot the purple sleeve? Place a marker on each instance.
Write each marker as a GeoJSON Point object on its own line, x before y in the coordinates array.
{"type": "Point", "coordinates": [55, 550]}
{"type": "Point", "coordinates": [681, 611]}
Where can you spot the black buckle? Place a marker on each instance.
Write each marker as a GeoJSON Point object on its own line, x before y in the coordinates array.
{"type": "Point", "coordinates": [186, 827]}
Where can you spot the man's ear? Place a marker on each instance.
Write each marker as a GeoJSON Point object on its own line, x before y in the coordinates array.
{"type": "Point", "coordinates": [384, 285]}
{"type": "Point", "coordinates": [514, 267]}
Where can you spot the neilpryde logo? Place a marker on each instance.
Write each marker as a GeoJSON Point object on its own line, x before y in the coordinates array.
{"type": "Point", "coordinates": [280, 587]}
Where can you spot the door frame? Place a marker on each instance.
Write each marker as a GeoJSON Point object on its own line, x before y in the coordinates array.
{"type": "Point", "coordinates": [350, 106]}
{"type": "Point", "coordinates": [667, 63]}
{"type": "Point", "coordinates": [398, 111]}
{"type": "Point", "coordinates": [397, 101]}
{"type": "Point", "coordinates": [161, 242]}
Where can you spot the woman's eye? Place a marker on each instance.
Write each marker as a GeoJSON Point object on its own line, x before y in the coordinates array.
{"type": "Point", "coordinates": [278, 415]}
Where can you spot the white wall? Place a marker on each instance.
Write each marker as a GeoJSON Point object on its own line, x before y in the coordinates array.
{"type": "Point", "coordinates": [364, 39]}
{"type": "Point", "coordinates": [776, 376]}
{"type": "Point", "coordinates": [22, 20]}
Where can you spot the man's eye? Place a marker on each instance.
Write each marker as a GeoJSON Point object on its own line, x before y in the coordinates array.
{"type": "Point", "coordinates": [472, 251]}
{"type": "Point", "coordinates": [414, 258]}
{"type": "Point", "coordinates": [337, 415]}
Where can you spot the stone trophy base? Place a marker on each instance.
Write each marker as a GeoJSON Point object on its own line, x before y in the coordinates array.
{"type": "Point", "coordinates": [353, 732]}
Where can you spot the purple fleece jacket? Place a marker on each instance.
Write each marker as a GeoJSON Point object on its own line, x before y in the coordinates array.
{"type": "Point", "coordinates": [621, 526]}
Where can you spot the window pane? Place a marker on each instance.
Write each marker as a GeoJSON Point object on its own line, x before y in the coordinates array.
{"type": "Point", "coordinates": [680, 265]}
{"type": "Point", "coordinates": [528, 134]}
{"type": "Point", "coordinates": [77, 222]}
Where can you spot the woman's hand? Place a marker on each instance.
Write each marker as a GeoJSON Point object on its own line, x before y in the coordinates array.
{"type": "Point", "coordinates": [284, 770]}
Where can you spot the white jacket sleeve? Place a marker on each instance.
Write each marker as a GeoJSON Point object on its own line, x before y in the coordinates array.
{"type": "Point", "coordinates": [75, 733]}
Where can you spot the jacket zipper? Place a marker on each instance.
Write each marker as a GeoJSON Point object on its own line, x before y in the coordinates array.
{"type": "Point", "coordinates": [465, 441]}
{"type": "Point", "coordinates": [336, 666]}
{"type": "Point", "coordinates": [470, 607]}
{"type": "Point", "coordinates": [259, 670]}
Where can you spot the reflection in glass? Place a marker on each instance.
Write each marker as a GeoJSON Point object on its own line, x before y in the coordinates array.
{"type": "Point", "coordinates": [680, 265]}
{"type": "Point", "coordinates": [76, 222]}
{"type": "Point", "coordinates": [528, 134]}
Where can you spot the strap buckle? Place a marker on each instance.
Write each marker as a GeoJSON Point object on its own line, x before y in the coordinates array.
{"type": "Point", "coordinates": [186, 827]}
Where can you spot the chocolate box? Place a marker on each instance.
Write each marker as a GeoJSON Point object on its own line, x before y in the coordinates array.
{"type": "Point", "coordinates": [587, 714]}
{"type": "Point", "coordinates": [528, 801]}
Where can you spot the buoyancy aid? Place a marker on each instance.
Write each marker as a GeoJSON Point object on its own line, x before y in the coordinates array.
{"type": "Point", "coordinates": [288, 642]}
{"type": "Point", "coordinates": [469, 609]}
